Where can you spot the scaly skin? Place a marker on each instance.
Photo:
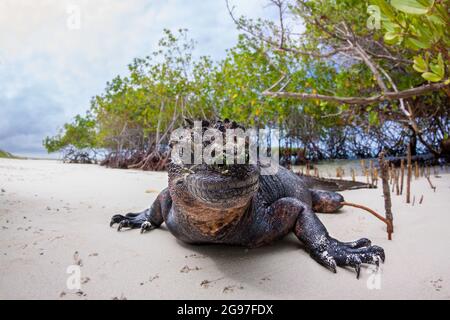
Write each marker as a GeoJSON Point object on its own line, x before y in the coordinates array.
{"type": "Point", "coordinates": [241, 207]}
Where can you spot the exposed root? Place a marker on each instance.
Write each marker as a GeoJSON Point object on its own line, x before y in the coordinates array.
{"type": "Point", "coordinates": [390, 227]}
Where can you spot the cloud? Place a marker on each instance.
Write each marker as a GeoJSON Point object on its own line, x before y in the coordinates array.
{"type": "Point", "coordinates": [49, 69]}
{"type": "Point", "coordinates": [25, 119]}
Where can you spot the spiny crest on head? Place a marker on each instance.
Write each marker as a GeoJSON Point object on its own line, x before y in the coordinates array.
{"type": "Point", "coordinates": [218, 124]}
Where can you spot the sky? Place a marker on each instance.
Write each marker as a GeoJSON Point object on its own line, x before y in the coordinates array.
{"type": "Point", "coordinates": [56, 54]}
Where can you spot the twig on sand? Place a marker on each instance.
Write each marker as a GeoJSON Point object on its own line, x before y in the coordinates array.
{"type": "Point", "coordinates": [371, 171]}
{"type": "Point", "coordinates": [431, 184]}
{"type": "Point", "coordinates": [402, 175]}
{"type": "Point", "coordinates": [389, 219]}
{"type": "Point", "coordinates": [421, 200]}
{"type": "Point", "coordinates": [397, 182]}
{"type": "Point", "coordinates": [375, 173]}
{"type": "Point", "coordinates": [207, 283]}
{"type": "Point", "coordinates": [394, 178]}
{"type": "Point", "coordinates": [408, 179]}
{"type": "Point", "coordinates": [373, 212]}
{"type": "Point", "coordinates": [387, 195]}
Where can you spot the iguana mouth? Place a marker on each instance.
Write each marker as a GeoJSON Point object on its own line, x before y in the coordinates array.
{"type": "Point", "coordinates": [216, 187]}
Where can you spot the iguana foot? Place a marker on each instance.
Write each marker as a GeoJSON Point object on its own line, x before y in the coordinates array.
{"type": "Point", "coordinates": [361, 243]}
{"type": "Point", "coordinates": [132, 221]}
{"type": "Point", "coordinates": [147, 226]}
{"type": "Point", "coordinates": [332, 253]}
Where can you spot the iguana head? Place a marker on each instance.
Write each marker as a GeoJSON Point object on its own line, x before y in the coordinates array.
{"type": "Point", "coordinates": [217, 186]}
{"type": "Point", "coordinates": [213, 186]}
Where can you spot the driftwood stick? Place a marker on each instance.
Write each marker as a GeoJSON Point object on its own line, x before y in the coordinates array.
{"type": "Point", "coordinates": [393, 179]}
{"type": "Point", "coordinates": [402, 175]}
{"type": "Point", "coordinates": [397, 182]}
{"type": "Point", "coordinates": [371, 170]}
{"type": "Point", "coordinates": [416, 170]}
{"type": "Point", "coordinates": [390, 173]}
{"type": "Point", "coordinates": [408, 179]}
{"type": "Point", "coordinates": [431, 185]}
{"type": "Point", "coordinates": [375, 173]}
{"type": "Point", "coordinates": [384, 166]}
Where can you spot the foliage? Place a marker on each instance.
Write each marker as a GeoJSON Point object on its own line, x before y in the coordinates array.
{"type": "Point", "coordinates": [350, 62]}
{"type": "Point", "coordinates": [5, 154]}
{"type": "Point", "coordinates": [260, 80]}
{"type": "Point", "coordinates": [80, 134]}
{"type": "Point", "coordinates": [422, 26]}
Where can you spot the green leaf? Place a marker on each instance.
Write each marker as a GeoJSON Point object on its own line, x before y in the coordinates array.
{"type": "Point", "coordinates": [390, 26]}
{"type": "Point", "coordinates": [413, 6]}
{"type": "Point", "coordinates": [386, 9]}
{"type": "Point", "coordinates": [439, 67]}
{"type": "Point", "coordinates": [420, 64]}
{"type": "Point", "coordinates": [432, 77]}
{"type": "Point", "coordinates": [438, 70]}
{"type": "Point", "coordinates": [436, 19]}
{"type": "Point", "coordinates": [373, 117]}
{"type": "Point", "coordinates": [391, 37]}
{"type": "Point", "coordinates": [441, 62]}
{"type": "Point", "coordinates": [418, 44]}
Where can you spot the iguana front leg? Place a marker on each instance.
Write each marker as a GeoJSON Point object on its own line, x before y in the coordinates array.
{"type": "Point", "coordinates": [148, 219]}
{"type": "Point", "coordinates": [326, 250]}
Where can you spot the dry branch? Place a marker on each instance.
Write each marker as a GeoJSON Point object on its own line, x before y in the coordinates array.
{"type": "Point", "coordinates": [408, 179]}
{"type": "Point", "coordinates": [377, 215]}
{"type": "Point", "coordinates": [388, 96]}
{"type": "Point", "coordinates": [384, 166]}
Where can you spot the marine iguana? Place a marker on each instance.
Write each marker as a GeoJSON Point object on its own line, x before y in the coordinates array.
{"type": "Point", "coordinates": [205, 204]}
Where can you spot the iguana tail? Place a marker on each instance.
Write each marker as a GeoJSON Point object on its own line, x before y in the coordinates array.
{"type": "Point", "coordinates": [334, 184]}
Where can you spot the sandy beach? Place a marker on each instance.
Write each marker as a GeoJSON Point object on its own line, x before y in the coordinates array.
{"type": "Point", "coordinates": [54, 215]}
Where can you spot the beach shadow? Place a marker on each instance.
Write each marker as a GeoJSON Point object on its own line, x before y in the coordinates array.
{"type": "Point", "coordinates": [248, 266]}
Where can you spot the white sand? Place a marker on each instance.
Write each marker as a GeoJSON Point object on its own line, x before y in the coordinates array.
{"type": "Point", "coordinates": [49, 210]}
